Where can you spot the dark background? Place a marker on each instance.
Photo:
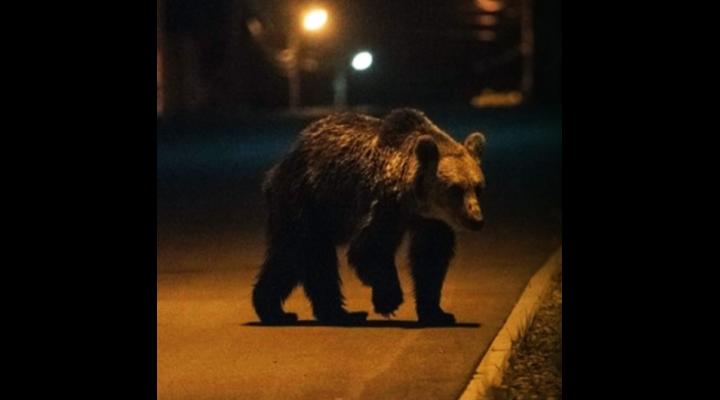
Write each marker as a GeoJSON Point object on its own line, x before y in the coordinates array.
{"type": "Point", "coordinates": [425, 52]}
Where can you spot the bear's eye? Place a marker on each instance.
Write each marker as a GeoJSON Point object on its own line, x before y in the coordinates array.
{"type": "Point", "coordinates": [456, 191]}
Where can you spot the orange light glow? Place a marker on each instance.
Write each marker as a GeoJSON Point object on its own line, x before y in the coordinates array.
{"type": "Point", "coordinates": [315, 19]}
{"type": "Point", "coordinates": [491, 98]}
{"type": "Point", "coordinates": [490, 5]}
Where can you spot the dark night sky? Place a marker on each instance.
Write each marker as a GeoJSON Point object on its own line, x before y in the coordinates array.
{"type": "Point", "coordinates": [425, 51]}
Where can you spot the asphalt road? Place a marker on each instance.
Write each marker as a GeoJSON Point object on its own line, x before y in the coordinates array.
{"type": "Point", "coordinates": [210, 244]}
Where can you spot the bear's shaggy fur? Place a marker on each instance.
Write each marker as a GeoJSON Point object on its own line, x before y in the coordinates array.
{"type": "Point", "coordinates": [366, 181]}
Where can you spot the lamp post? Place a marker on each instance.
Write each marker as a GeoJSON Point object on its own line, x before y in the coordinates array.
{"type": "Point", "coordinates": [527, 42]}
{"type": "Point", "coordinates": [360, 62]}
{"type": "Point", "coordinates": [293, 71]}
{"type": "Point", "coordinates": [313, 20]}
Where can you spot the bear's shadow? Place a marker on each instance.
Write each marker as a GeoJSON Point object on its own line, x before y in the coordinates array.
{"type": "Point", "coordinates": [401, 324]}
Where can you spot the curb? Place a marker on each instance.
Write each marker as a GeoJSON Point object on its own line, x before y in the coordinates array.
{"type": "Point", "coordinates": [491, 368]}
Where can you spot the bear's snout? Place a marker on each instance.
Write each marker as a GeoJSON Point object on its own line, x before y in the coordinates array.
{"type": "Point", "coordinates": [473, 219]}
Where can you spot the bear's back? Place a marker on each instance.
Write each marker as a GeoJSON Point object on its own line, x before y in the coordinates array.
{"type": "Point", "coordinates": [335, 171]}
{"type": "Point", "coordinates": [343, 153]}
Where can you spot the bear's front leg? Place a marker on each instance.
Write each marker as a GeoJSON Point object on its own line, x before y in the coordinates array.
{"type": "Point", "coordinates": [432, 245]}
{"type": "Point", "coordinates": [376, 269]}
{"type": "Point", "coordinates": [372, 254]}
{"type": "Point", "coordinates": [387, 295]}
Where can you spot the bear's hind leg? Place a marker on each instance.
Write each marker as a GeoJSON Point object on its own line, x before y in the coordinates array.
{"type": "Point", "coordinates": [276, 281]}
{"type": "Point", "coordinates": [321, 281]}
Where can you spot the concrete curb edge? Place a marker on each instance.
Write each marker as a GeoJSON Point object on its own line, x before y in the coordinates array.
{"type": "Point", "coordinates": [489, 371]}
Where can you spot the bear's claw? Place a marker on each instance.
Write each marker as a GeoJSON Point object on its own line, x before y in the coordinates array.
{"type": "Point", "coordinates": [437, 319]}
{"type": "Point", "coordinates": [387, 300]}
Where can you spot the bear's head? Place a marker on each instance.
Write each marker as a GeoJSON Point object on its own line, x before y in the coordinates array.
{"type": "Point", "coordinates": [449, 180]}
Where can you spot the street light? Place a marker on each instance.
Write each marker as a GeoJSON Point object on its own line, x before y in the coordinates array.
{"type": "Point", "coordinates": [360, 62]}
{"type": "Point", "coordinates": [313, 20]}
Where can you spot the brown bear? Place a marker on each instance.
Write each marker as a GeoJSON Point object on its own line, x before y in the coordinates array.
{"type": "Point", "coordinates": [363, 181]}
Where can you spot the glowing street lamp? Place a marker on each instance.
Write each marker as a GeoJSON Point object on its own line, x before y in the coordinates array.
{"type": "Point", "coordinates": [315, 19]}
{"type": "Point", "coordinates": [362, 61]}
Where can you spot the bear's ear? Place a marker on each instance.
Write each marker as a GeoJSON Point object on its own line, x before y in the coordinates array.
{"type": "Point", "coordinates": [427, 152]}
{"type": "Point", "coordinates": [475, 143]}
